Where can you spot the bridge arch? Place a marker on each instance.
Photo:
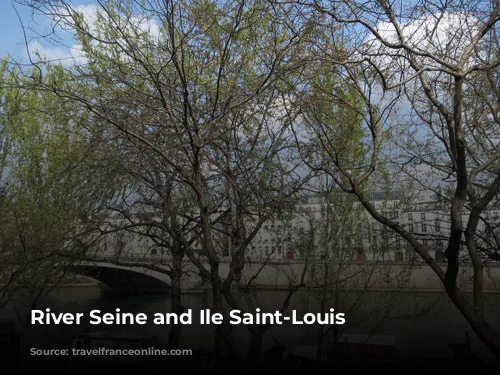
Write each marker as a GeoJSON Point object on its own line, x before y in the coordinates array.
{"type": "Point", "coordinates": [114, 277]}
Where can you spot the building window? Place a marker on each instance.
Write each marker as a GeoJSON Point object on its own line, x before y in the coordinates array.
{"type": "Point", "coordinates": [398, 241]}
{"type": "Point", "coordinates": [385, 239]}
{"type": "Point", "coordinates": [438, 225]}
{"type": "Point", "coordinates": [410, 216]}
{"type": "Point", "coordinates": [422, 215]}
{"type": "Point", "coordinates": [398, 256]}
{"type": "Point", "coordinates": [153, 252]}
{"type": "Point", "coordinates": [410, 228]}
{"type": "Point", "coordinates": [424, 227]}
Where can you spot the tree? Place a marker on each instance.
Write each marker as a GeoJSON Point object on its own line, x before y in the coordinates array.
{"type": "Point", "coordinates": [345, 263]}
{"type": "Point", "coordinates": [151, 205]}
{"type": "Point", "coordinates": [187, 93]}
{"type": "Point", "coordinates": [52, 186]}
{"type": "Point", "coordinates": [438, 64]}
{"type": "Point", "coordinates": [349, 275]}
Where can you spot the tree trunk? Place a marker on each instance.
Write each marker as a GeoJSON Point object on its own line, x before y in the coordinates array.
{"type": "Point", "coordinates": [217, 305]}
{"type": "Point", "coordinates": [321, 335]}
{"type": "Point", "coordinates": [486, 333]}
{"type": "Point", "coordinates": [176, 307]}
{"type": "Point", "coordinates": [256, 347]}
{"type": "Point", "coordinates": [320, 341]}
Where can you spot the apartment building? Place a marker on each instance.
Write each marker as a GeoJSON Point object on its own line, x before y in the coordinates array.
{"type": "Point", "coordinates": [339, 230]}
{"type": "Point", "coordinates": [362, 238]}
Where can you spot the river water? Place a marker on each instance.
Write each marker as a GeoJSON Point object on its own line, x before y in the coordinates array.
{"type": "Point", "coordinates": [423, 323]}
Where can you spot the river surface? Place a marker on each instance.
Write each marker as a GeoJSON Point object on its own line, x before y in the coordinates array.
{"type": "Point", "coordinates": [423, 323]}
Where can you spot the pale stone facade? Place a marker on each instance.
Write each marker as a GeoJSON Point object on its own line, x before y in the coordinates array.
{"type": "Point", "coordinates": [358, 237]}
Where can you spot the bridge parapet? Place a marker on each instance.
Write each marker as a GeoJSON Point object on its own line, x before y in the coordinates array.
{"type": "Point", "coordinates": [277, 273]}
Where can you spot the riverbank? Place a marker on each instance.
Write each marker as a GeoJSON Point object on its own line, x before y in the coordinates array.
{"type": "Point", "coordinates": [268, 288]}
{"type": "Point", "coordinates": [347, 289]}
{"type": "Point", "coordinates": [83, 282]}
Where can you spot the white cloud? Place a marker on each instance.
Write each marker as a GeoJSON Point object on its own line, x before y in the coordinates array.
{"type": "Point", "coordinates": [94, 19]}
{"type": "Point", "coordinates": [433, 37]}
{"type": "Point", "coordinates": [90, 14]}
{"type": "Point", "coordinates": [56, 55]}
{"type": "Point", "coordinates": [93, 15]}
{"type": "Point", "coordinates": [78, 54]}
{"type": "Point", "coordinates": [446, 35]}
{"type": "Point", "coordinates": [147, 26]}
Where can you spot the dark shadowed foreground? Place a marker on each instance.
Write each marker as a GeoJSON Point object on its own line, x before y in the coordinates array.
{"type": "Point", "coordinates": [425, 327]}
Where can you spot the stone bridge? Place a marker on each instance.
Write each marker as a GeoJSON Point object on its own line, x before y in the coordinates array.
{"type": "Point", "coordinates": [125, 274]}
{"type": "Point", "coordinates": [151, 274]}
